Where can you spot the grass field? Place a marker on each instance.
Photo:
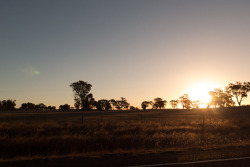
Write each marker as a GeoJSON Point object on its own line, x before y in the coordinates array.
{"type": "Point", "coordinates": [36, 134]}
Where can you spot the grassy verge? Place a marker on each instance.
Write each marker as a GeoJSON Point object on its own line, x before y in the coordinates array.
{"type": "Point", "coordinates": [50, 138]}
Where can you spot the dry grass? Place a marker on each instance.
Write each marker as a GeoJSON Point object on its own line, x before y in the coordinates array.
{"type": "Point", "coordinates": [121, 132]}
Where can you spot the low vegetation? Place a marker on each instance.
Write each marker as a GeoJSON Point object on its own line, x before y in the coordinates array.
{"type": "Point", "coordinates": [61, 134]}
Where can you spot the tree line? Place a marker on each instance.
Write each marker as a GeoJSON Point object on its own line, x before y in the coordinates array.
{"type": "Point", "coordinates": [7, 104]}
{"type": "Point", "coordinates": [10, 105]}
{"type": "Point", "coordinates": [84, 100]}
{"type": "Point", "coordinates": [219, 98]}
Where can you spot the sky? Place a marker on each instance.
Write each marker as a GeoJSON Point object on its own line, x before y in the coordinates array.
{"type": "Point", "coordinates": [137, 49]}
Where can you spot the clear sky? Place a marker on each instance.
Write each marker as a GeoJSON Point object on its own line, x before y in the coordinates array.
{"type": "Point", "coordinates": [137, 49]}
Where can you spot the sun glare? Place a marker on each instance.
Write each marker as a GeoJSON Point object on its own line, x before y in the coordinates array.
{"type": "Point", "coordinates": [200, 92]}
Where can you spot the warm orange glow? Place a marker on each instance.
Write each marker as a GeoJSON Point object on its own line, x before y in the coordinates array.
{"type": "Point", "coordinates": [200, 91]}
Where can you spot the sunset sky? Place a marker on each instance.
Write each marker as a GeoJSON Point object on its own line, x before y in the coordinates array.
{"type": "Point", "coordinates": [137, 49]}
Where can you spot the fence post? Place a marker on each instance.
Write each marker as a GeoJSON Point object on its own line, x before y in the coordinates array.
{"type": "Point", "coordinates": [203, 129]}
{"type": "Point", "coordinates": [203, 122]}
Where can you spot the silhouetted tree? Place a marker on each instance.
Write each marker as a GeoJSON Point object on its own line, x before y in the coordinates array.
{"type": "Point", "coordinates": [228, 98]}
{"type": "Point", "coordinates": [77, 103]}
{"type": "Point", "coordinates": [89, 102]}
{"type": "Point", "coordinates": [7, 105]}
{"type": "Point", "coordinates": [196, 103]}
{"type": "Point", "coordinates": [145, 104]}
{"type": "Point", "coordinates": [132, 108]}
{"type": "Point", "coordinates": [64, 107]}
{"type": "Point", "coordinates": [113, 103]}
{"type": "Point", "coordinates": [41, 106]}
{"type": "Point", "coordinates": [239, 90]}
{"type": "Point", "coordinates": [185, 101]}
{"type": "Point", "coordinates": [221, 98]}
{"type": "Point", "coordinates": [174, 103]}
{"type": "Point", "coordinates": [103, 104]}
{"type": "Point", "coordinates": [51, 108]}
{"type": "Point", "coordinates": [98, 105]}
{"type": "Point", "coordinates": [152, 104]}
{"type": "Point", "coordinates": [159, 103]}
{"type": "Point", "coordinates": [123, 103]}
{"type": "Point", "coordinates": [28, 106]}
{"type": "Point", "coordinates": [120, 104]}
{"type": "Point", "coordinates": [82, 97]}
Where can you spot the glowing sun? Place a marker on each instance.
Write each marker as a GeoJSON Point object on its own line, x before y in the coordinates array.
{"type": "Point", "coordinates": [200, 91]}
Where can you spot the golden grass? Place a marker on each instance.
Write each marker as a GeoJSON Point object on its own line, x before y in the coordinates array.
{"type": "Point", "coordinates": [118, 135]}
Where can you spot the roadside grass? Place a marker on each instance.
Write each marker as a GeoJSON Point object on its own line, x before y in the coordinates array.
{"type": "Point", "coordinates": [119, 133]}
